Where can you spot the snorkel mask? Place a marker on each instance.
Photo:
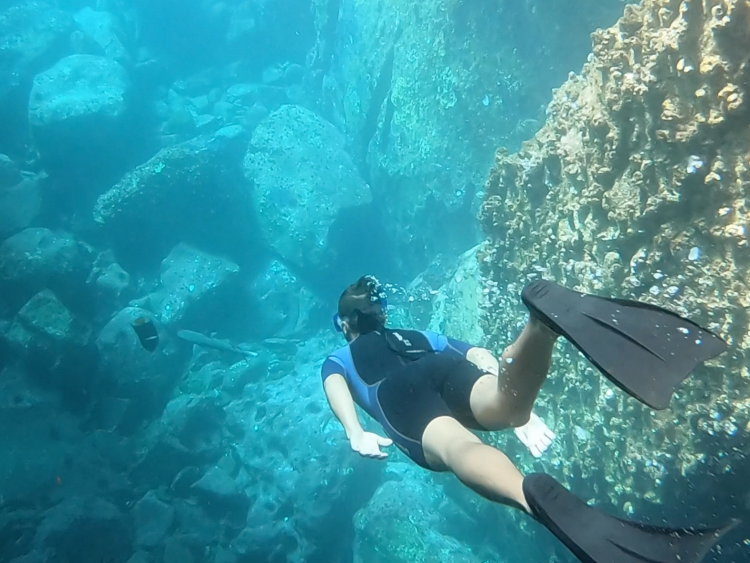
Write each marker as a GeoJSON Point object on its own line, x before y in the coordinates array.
{"type": "Point", "coordinates": [377, 295]}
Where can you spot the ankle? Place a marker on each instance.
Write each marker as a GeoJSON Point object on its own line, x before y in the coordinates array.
{"type": "Point", "coordinates": [535, 324]}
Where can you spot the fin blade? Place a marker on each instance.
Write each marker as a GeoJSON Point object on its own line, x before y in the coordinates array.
{"type": "Point", "coordinates": [643, 349]}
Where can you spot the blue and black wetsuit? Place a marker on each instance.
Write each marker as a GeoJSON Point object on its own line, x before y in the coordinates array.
{"type": "Point", "coordinates": [406, 394]}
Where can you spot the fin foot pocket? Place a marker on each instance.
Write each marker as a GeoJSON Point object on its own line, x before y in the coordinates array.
{"type": "Point", "coordinates": [645, 350]}
{"type": "Point", "coordinates": [596, 537]}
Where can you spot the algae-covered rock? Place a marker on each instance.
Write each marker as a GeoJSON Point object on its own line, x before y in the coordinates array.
{"type": "Point", "coordinates": [303, 179]}
{"type": "Point", "coordinates": [186, 191]}
{"type": "Point", "coordinates": [636, 187]}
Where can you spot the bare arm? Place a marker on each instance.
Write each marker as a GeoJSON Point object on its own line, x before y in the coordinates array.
{"type": "Point", "coordinates": [342, 404]}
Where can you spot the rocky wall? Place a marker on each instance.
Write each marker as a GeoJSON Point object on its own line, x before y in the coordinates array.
{"type": "Point", "coordinates": [637, 187]}
{"type": "Point", "coordinates": [425, 91]}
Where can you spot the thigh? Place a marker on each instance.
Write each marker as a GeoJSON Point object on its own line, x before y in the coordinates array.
{"type": "Point", "coordinates": [443, 436]}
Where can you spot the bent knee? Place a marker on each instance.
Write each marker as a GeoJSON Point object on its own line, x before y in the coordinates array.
{"type": "Point", "coordinates": [445, 439]}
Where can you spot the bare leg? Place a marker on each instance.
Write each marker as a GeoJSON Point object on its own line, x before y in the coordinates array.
{"type": "Point", "coordinates": [523, 369]}
{"type": "Point", "coordinates": [447, 445]}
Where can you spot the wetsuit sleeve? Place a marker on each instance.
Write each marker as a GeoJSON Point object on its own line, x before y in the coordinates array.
{"type": "Point", "coordinates": [331, 366]}
{"type": "Point", "coordinates": [441, 343]}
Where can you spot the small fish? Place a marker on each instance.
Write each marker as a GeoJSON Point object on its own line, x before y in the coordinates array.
{"type": "Point", "coordinates": [145, 329]}
{"type": "Point", "coordinates": [215, 343]}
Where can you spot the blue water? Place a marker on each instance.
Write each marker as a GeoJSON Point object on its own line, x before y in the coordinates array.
{"type": "Point", "coordinates": [227, 168]}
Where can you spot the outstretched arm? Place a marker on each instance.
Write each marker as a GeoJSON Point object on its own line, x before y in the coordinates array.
{"type": "Point", "coordinates": [342, 404]}
{"type": "Point", "coordinates": [340, 398]}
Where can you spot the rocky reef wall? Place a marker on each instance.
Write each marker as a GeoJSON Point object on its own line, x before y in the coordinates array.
{"type": "Point", "coordinates": [637, 186]}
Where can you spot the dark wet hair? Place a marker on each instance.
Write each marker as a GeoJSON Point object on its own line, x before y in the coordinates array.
{"type": "Point", "coordinates": [361, 305]}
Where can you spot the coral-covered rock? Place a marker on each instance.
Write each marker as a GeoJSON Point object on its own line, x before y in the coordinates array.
{"type": "Point", "coordinates": [637, 187]}
{"type": "Point", "coordinates": [303, 178]}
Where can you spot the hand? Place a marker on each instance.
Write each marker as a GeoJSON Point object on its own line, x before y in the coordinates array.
{"type": "Point", "coordinates": [535, 435]}
{"type": "Point", "coordinates": [368, 444]}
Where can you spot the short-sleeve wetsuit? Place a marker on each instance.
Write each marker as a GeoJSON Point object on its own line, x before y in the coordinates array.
{"type": "Point", "coordinates": [405, 396]}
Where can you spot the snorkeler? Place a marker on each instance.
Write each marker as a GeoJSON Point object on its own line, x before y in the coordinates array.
{"type": "Point", "coordinates": [427, 391]}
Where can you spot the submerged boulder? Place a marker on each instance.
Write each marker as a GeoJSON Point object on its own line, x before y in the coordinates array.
{"type": "Point", "coordinates": [102, 28]}
{"type": "Point", "coordinates": [283, 305]}
{"type": "Point", "coordinates": [86, 521]}
{"type": "Point", "coordinates": [37, 258]}
{"type": "Point", "coordinates": [144, 378]}
{"type": "Point", "coordinates": [190, 191]}
{"type": "Point", "coordinates": [77, 110]}
{"type": "Point", "coordinates": [32, 35]}
{"type": "Point", "coordinates": [303, 178]}
{"type": "Point", "coordinates": [194, 286]}
{"type": "Point", "coordinates": [19, 204]}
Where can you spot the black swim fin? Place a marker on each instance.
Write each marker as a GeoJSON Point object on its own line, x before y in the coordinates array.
{"type": "Point", "coordinates": [596, 537]}
{"type": "Point", "coordinates": [645, 350]}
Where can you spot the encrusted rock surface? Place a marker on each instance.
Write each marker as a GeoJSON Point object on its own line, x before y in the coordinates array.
{"type": "Point", "coordinates": [637, 186]}
{"type": "Point", "coordinates": [303, 179]}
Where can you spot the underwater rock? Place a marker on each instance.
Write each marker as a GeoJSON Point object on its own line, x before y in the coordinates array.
{"type": "Point", "coordinates": [152, 518]}
{"type": "Point", "coordinates": [102, 27]}
{"type": "Point", "coordinates": [141, 557]}
{"type": "Point", "coordinates": [303, 178]}
{"type": "Point", "coordinates": [455, 308]}
{"type": "Point", "coordinates": [189, 433]}
{"type": "Point", "coordinates": [221, 495]}
{"type": "Point", "coordinates": [10, 175]}
{"type": "Point", "coordinates": [19, 204]}
{"type": "Point", "coordinates": [77, 111]}
{"type": "Point", "coordinates": [264, 443]}
{"type": "Point", "coordinates": [282, 303]}
{"type": "Point", "coordinates": [33, 418]}
{"type": "Point", "coordinates": [194, 284]}
{"type": "Point", "coordinates": [37, 258]}
{"type": "Point", "coordinates": [391, 526]}
{"type": "Point", "coordinates": [643, 157]}
{"type": "Point", "coordinates": [145, 377]}
{"type": "Point", "coordinates": [85, 521]}
{"type": "Point", "coordinates": [45, 324]}
{"type": "Point", "coordinates": [189, 190]}
{"type": "Point", "coordinates": [33, 35]}
{"type": "Point", "coordinates": [175, 551]}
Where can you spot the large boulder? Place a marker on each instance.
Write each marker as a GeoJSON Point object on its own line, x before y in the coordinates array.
{"type": "Point", "coordinates": [33, 35]}
{"type": "Point", "coordinates": [195, 286]}
{"type": "Point", "coordinates": [192, 191]}
{"type": "Point", "coordinates": [86, 521]}
{"type": "Point", "coordinates": [103, 29]}
{"type": "Point", "coordinates": [20, 203]}
{"type": "Point", "coordinates": [77, 111]}
{"type": "Point", "coordinates": [37, 258]}
{"type": "Point", "coordinates": [153, 518]}
{"type": "Point", "coordinates": [46, 333]}
{"type": "Point", "coordinates": [283, 304]}
{"type": "Point", "coordinates": [303, 180]}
